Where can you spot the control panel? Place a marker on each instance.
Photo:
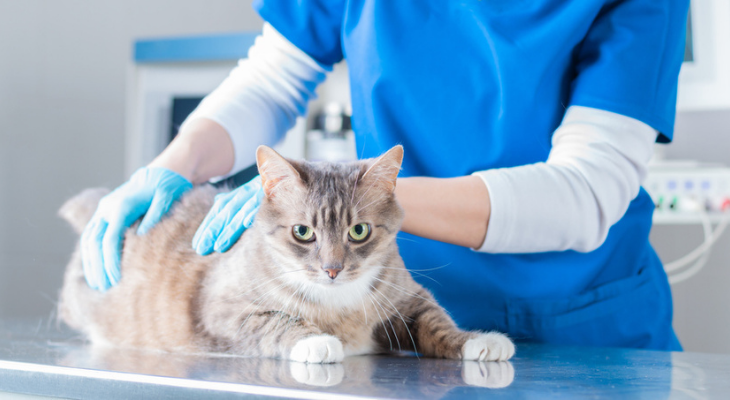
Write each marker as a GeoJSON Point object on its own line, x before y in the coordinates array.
{"type": "Point", "coordinates": [687, 192]}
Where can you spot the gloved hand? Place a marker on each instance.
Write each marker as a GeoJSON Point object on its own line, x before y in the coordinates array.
{"type": "Point", "coordinates": [150, 191]}
{"type": "Point", "coordinates": [232, 213]}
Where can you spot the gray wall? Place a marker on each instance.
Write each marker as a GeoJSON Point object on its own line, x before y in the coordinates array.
{"type": "Point", "coordinates": [701, 304]}
{"type": "Point", "coordinates": [63, 69]}
{"type": "Point", "coordinates": [63, 66]}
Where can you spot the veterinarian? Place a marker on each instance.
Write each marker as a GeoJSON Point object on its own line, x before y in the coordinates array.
{"type": "Point", "coordinates": [527, 128]}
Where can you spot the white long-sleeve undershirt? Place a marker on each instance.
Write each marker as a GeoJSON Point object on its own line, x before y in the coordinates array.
{"type": "Point", "coordinates": [595, 167]}
{"type": "Point", "coordinates": [263, 95]}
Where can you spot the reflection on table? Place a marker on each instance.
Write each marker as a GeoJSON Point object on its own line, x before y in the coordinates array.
{"type": "Point", "coordinates": [43, 360]}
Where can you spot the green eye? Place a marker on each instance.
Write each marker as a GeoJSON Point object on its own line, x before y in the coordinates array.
{"type": "Point", "coordinates": [359, 232]}
{"type": "Point", "coordinates": [303, 233]}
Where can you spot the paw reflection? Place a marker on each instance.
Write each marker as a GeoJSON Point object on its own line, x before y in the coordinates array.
{"type": "Point", "coordinates": [317, 374]}
{"type": "Point", "coordinates": [492, 374]}
{"type": "Point", "coordinates": [370, 376]}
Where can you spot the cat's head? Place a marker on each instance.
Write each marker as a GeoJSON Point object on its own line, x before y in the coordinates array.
{"type": "Point", "coordinates": [333, 223]}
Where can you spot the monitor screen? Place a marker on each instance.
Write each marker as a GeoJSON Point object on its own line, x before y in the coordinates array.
{"type": "Point", "coordinates": [181, 108]}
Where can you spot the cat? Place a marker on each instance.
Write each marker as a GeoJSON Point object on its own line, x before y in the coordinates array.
{"type": "Point", "coordinates": [316, 278]}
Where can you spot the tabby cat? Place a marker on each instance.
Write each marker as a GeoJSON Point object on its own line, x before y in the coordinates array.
{"type": "Point", "coordinates": [316, 278]}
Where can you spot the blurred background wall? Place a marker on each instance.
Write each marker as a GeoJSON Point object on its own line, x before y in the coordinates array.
{"type": "Point", "coordinates": [63, 69]}
{"type": "Point", "coordinates": [701, 303]}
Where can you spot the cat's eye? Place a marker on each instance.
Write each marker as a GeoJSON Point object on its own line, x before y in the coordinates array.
{"type": "Point", "coordinates": [303, 233]}
{"type": "Point", "coordinates": [359, 233]}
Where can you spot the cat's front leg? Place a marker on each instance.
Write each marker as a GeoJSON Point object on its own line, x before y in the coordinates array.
{"type": "Point", "coordinates": [277, 334]}
{"type": "Point", "coordinates": [438, 336]}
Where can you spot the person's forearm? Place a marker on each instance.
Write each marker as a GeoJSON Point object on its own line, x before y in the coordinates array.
{"type": "Point", "coordinates": [453, 210]}
{"type": "Point", "coordinates": [202, 150]}
{"type": "Point", "coordinates": [261, 98]}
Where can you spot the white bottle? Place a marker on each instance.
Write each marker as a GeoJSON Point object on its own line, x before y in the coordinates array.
{"type": "Point", "coordinates": [332, 139]}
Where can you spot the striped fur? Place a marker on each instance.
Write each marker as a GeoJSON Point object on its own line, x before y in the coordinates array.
{"type": "Point", "coordinates": [269, 295]}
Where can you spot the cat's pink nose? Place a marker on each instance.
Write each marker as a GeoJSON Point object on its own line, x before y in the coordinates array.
{"type": "Point", "coordinates": [332, 270]}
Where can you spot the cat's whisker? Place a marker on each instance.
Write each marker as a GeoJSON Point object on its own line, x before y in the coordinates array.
{"type": "Point", "coordinates": [250, 289]}
{"type": "Point", "coordinates": [253, 303]}
{"type": "Point", "coordinates": [300, 303]}
{"type": "Point", "coordinates": [362, 196]}
{"type": "Point", "coordinates": [405, 325]}
{"type": "Point", "coordinates": [364, 310]}
{"type": "Point", "coordinates": [359, 210]}
{"type": "Point", "coordinates": [390, 309]}
{"type": "Point", "coordinates": [242, 294]}
{"type": "Point", "coordinates": [302, 300]}
{"type": "Point", "coordinates": [431, 269]}
{"type": "Point", "coordinates": [370, 297]}
{"type": "Point", "coordinates": [406, 292]}
{"type": "Point", "coordinates": [428, 277]}
{"type": "Point", "coordinates": [414, 272]}
{"type": "Point", "coordinates": [354, 189]}
{"type": "Point", "coordinates": [294, 293]}
{"type": "Point", "coordinates": [245, 319]}
{"type": "Point", "coordinates": [254, 311]}
{"type": "Point", "coordinates": [397, 340]}
{"type": "Point", "coordinates": [286, 306]}
{"type": "Point", "coordinates": [419, 272]}
{"type": "Point", "coordinates": [262, 284]}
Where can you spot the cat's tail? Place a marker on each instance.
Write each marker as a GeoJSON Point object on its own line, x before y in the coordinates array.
{"type": "Point", "coordinates": [79, 209]}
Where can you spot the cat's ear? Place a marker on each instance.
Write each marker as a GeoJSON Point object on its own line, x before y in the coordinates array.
{"type": "Point", "coordinates": [383, 171]}
{"type": "Point", "coordinates": [274, 170]}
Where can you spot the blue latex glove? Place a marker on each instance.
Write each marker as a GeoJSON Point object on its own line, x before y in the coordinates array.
{"type": "Point", "coordinates": [232, 213]}
{"type": "Point", "coordinates": [150, 191]}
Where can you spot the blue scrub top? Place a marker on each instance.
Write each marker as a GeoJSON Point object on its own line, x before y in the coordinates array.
{"type": "Point", "coordinates": [471, 85]}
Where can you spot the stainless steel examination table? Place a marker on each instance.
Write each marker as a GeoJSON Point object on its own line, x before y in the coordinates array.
{"type": "Point", "coordinates": [40, 359]}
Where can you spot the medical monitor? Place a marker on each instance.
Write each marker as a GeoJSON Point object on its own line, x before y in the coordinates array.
{"type": "Point", "coordinates": [704, 80]}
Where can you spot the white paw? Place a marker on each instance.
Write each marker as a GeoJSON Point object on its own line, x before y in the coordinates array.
{"type": "Point", "coordinates": [321, 349]}
{"type": "Point", "coordinates": [491, 346]}
{"type": "Point", "coordinates": [493, 375]}
{"type": "Point", "coordinates": [317, 375]}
